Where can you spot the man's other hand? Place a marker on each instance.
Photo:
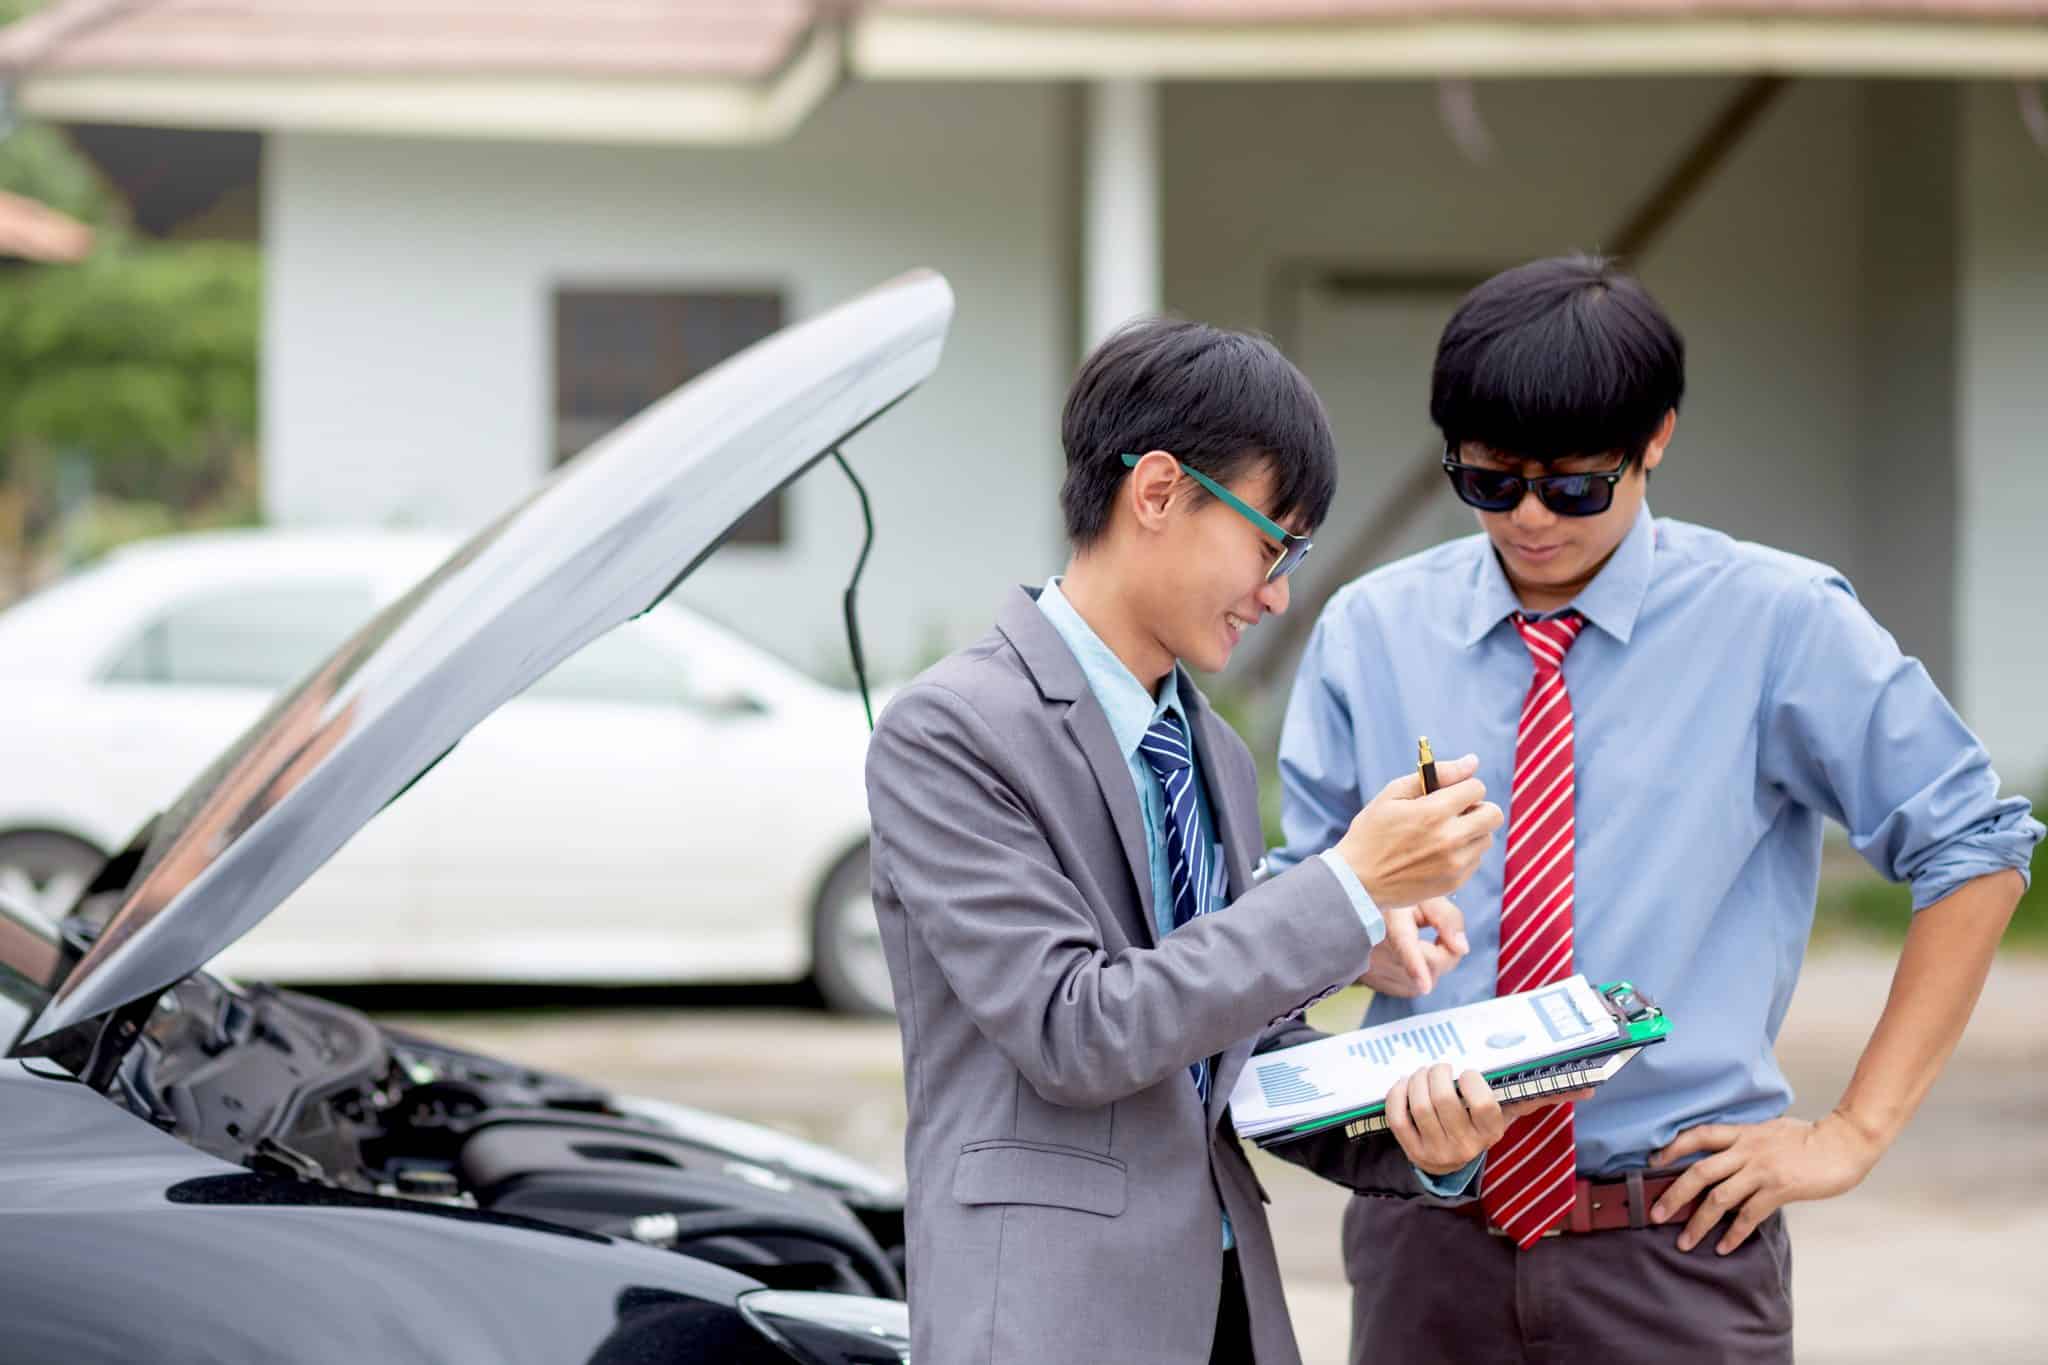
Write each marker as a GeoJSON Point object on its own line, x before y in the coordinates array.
{"type": "Point", "coordinates": [1406, 964]}
{"type": "Point", "coordinates": [1443, 1125]}
{"type": "Point", "coordinates": [1757, 1169]}
{"type": "Point", "coordinates": [1408, 846]}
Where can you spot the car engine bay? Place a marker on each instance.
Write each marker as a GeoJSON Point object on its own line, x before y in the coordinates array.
{"type": "Point", "coordinates": [289, 1084]}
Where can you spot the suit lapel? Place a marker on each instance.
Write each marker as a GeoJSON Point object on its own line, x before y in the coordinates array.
{"type": "Point", "coordinates": [1235, 812]}
{"type": "Point", "coordinates": [1090, 729]}
{"type": "Point", "coordinates": [1060, 679]}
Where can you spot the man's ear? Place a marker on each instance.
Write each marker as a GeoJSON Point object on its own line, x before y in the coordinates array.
{"type": "Point", "coordinates": [1653, 453]}
{"type": "Point", "coordinates": [1151, 488]}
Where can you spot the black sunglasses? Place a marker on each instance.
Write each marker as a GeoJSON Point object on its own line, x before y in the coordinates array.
{"type": "Point", "coordinates": [1568, 495]}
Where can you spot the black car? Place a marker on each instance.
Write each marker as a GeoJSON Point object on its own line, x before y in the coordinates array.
{"type": "Point", "coordinates": [197, 1170]}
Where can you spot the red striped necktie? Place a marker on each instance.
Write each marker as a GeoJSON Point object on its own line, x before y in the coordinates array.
{"type": "Point", "coordinates": [1527, 1188]}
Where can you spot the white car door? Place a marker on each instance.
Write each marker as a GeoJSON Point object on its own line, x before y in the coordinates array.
{"type": "Point", "coordinates": [605, 826]}
{"type": "Point", "coordinates": [190, 679]}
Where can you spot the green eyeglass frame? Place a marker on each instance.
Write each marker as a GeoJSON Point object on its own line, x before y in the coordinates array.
{"type": "Point", "coordinates": [1291, 550]}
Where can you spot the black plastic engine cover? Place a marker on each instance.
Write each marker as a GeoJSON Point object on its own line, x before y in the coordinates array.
{"type": "Point", "coordinates": [596, 1173]}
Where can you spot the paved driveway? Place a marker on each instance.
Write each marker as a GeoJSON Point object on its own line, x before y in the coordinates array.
{"type": "Point", "coordinates": [1935, 1258]}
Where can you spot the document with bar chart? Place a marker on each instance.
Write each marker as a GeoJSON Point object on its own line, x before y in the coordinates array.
{"type": "Point", "coordinates": [1559, 1036]}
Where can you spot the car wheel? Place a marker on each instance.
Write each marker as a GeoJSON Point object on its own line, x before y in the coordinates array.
{"type": "Point", "coordinates": [846, 942]}
{"type": "Point", "coordinates": [46, 871]}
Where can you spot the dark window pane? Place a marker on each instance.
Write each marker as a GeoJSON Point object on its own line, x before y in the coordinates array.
{"type": "Point", "coordinates": [617, 351]}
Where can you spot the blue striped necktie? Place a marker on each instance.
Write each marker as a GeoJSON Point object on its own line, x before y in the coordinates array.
{"type": "Point", "coordinates": [1166, 751]}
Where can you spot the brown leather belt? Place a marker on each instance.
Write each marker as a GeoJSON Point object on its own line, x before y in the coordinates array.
{"type": "Point", "coordinates": [1605, 1205]}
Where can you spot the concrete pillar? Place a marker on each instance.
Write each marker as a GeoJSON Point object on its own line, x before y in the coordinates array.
{"type": "Point", "coordinates": [1120, 230]}
{"type": "Point", "coordinates": [1906, 569]}
{"type": "Point", "coordinates": [2002, 443]}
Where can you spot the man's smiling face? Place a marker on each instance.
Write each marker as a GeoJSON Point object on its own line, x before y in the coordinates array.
{"type": "Point", "coordinates": [1206, 580]}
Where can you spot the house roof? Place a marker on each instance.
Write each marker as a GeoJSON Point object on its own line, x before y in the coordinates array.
{"type": "Point", "coordinates": [31, 231]}
{"type": "Point", "coordinates": [1186, 12]}
{"type": "Point", "coordinates": [743, 38]}
{"type": "Point", "coordinates": [753, 70]}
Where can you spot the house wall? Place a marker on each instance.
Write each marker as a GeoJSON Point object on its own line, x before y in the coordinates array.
{"type": "Point", "coordinates": [409, 374]}
{"type": "Point", "coordinates": [2002, 615]}
{"type": "Point", "coordinates": [1862, 287]}
{"type": "Point", "coordinates": [1761, 272]}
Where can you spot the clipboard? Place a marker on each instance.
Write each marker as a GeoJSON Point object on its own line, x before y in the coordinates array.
{"type": "Point", "coordinates": [1636, 1023]}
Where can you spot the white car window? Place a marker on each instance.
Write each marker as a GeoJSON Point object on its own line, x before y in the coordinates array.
{"type": "Point", "coordinates": [266, 636]}
{"type": "Point", "coordinates": [622, 665]}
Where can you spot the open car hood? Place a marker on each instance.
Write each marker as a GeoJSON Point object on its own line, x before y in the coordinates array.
{"type": "Point", "coordinates": [602, 541]}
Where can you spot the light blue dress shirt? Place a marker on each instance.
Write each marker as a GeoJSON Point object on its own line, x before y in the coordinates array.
{"type": "Point", "coordinates": [1727, 700]}
{"type": "Point", "coordinates": [1132, 711]}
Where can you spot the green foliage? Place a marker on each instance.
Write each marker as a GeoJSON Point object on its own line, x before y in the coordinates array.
{"type": "Point", "coordinates": [142, 363]}
{"type": "Point", "coordinates": [1870, 909]}
{"type": "Point", "coordinates": [39, 163]}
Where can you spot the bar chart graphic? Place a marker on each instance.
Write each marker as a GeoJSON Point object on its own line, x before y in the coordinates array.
{"type": "Point", "coordinates": [1422, 1044]}
{"type": "Point", "coordinates": [1560, 1014]}
{"type": "Point", "coordinates": [1282, 1084]}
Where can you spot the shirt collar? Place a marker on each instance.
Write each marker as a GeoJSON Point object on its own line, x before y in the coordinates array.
{"type": "Point", "coordinates": [1131, 710]}
{"type": "Point", "coordinates": [1611, 601]}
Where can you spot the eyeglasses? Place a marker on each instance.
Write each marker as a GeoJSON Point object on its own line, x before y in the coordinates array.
{"type": "Point", "coordinates": [1568, 495]}
{"type": "Point", "coordinates": [1292, 549]}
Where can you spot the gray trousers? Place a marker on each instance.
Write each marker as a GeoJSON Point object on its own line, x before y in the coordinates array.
{"type": "Point", "coordinates": [1431, 1285]}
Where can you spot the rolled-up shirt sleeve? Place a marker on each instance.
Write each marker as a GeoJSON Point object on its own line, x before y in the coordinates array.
{"type": "Point", "coordinates": [1853, 727]}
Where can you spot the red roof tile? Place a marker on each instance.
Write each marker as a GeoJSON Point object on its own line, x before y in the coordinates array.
{"type": "Point", "coordinates": [1326, 11]}
{"type": "Point", "coordinates": [733, 38]}
{"type": "Point", "coordinates": [37, 232]}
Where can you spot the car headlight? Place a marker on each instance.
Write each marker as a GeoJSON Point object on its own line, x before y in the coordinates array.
{"type": "Point", "coordinates": [831, 1329]}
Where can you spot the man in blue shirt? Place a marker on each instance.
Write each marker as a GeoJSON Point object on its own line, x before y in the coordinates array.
{"type": "Point", "coordinates": [1674, 715]}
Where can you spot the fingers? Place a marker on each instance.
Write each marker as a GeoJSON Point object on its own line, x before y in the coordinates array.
{"type": "Point", "coordinates": [1726, 1195]}
{"type": "Point", "coordinates": [1708, 1137]}
{"type": "Point", "coordinates": [1489, 1121]}
{"type": "Point", "coordinates": [1440, 959]}
{"type": "Point", "coordinates": [1693, 1183]}
{"type": "Point", "coordinates": [1453, 797]}
{"type": "Point", "coordinates": [1429, 1127]}
{"type": "Point", "coordinates": [1450, 771]}
{"type": "Point", "coordinates": [1481, 820]}
{"type": "Point", "coordinates": [1401, 1124]}
{"type": "Point", "coordinates": [1448, 920]}
{"type": "Point", "coordinates": [1447, 1103]}
{"type": "Point", "coordinates": [1407, 950]}
{"type": "Point", "coordinates": [1754, 1210]}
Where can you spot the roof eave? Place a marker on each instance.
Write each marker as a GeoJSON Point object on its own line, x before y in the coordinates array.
{"type": "Point", "coordinates": [715, 110]}
{"type": "Point", "coordinates": [922, 46]}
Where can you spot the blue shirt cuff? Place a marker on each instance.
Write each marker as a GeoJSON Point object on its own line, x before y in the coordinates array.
{"type": "Point", "coordinates": [1454, 1185]}
{"type": "Point", "coordinates": [1368, 913]}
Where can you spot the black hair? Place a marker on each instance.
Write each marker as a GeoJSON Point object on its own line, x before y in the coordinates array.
{"type": "Point", "coordinates": [1216, 400]}
{"type": "Point", "coordinates": [1567, 356]}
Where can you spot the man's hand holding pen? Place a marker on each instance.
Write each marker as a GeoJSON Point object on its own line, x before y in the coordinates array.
{"type": "Point", "coordinates": [1410, 848]}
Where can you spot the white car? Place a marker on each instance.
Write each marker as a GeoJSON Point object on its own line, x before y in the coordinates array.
{"type": "Point", "coordinates": [669, 804]}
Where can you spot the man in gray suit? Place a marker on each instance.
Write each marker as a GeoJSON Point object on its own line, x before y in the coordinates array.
{"type": "Point", "coordinates": [1057, 813]}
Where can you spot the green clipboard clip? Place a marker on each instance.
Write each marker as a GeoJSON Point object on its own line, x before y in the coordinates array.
{"type": "Point", "coordinates": [1638, 1024]}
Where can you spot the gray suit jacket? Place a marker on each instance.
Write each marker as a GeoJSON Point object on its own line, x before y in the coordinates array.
{"type": "Point", "coordinates": [1066, 1185]}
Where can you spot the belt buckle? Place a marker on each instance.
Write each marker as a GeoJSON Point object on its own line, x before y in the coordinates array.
{"type": "Point", "coordinates": [1558, 1231]}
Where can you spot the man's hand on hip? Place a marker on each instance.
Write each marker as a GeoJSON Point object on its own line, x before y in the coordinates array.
{"type": "Point", "coordinates": [1408, 846]}
{"type": "Point", "coordinates": [1757, 1169]}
